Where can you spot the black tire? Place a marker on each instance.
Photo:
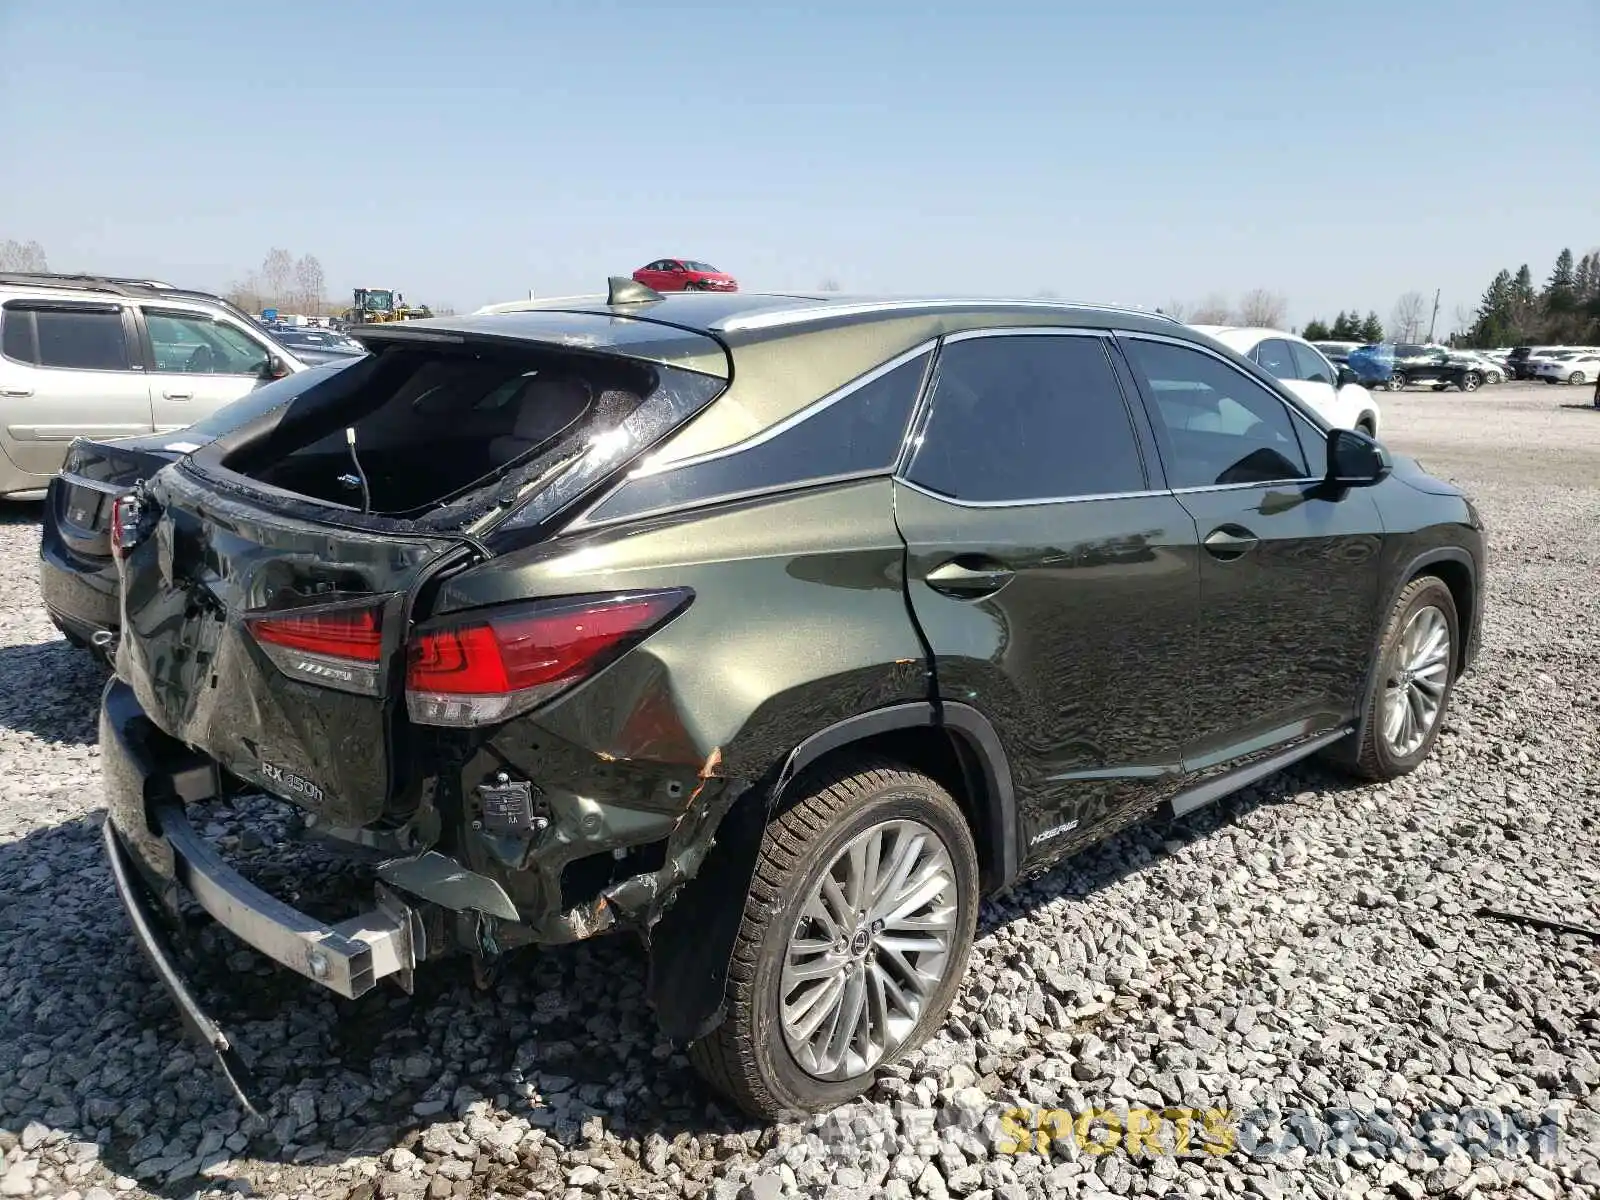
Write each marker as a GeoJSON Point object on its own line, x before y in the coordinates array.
{"type": "Point", "coordinates": [1374, 758]}
{"type": "Point", "coordinates": [1470, 381]}
{"type": "Point", "coordinates": [746, 1058]}
{"type": "Point", "coordinates": [1364, 425]}
{"type": "Point", "coordinates": [1395, 382]}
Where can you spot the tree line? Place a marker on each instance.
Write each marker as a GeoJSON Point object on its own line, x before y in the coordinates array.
{"type": "Point", "coordinates": [1346, 327]}
{"type": "Point", "coordinates": [283, 282]}
{"type": "Point", "coordinates": [1565, 311]}
{"type": "Point", "coordinates": [1258, 308]}
{"type": "Point", "coordinates": [22, 256]}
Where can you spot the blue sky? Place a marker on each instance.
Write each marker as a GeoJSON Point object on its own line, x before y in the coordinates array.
{"type": "Point", "coordinates": [467, 152]}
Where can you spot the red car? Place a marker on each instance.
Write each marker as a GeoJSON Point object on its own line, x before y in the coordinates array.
{"type": "Point", "coordinates": [685, 275]}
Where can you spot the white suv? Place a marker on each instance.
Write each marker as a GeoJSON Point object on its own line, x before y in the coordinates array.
{"type": "Point", "coordinates": [98, 357]}
{"type": "Point", "coordinates": [1303, 369]}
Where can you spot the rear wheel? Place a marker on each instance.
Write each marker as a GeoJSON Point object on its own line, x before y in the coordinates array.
{"type": "Point", "coordinates": [1415, 672]}
{"type": "Point", "coordinates": [855, 936]}
{"type": "Point", "coordinates": [1576, 378]}
{"type": "Point", "coordinates": [1395, 382]}
{"type": "Point", "coordinates": [1470, 381]}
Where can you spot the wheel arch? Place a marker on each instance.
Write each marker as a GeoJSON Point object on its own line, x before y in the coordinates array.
{"type": "Point", "coordinates": [955, 744]}
{"type": "Point", "coordinates": [1455, 567]}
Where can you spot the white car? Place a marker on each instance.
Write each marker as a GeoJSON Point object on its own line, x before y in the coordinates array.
{"type": "Point", "coordinates": [1576, 366]}
{"type": "Point", "coordinates": [1303, 369]}
{"type": "Point", "coordinates": [1492, 369]}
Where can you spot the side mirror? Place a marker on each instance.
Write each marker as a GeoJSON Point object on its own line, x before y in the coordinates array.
{"type": "Point", "coordinates": [1347, 376]}
{"type": "Point", "coordinates": [276, 368]}
{"type": "Point", "coordinates": [1354, 459]}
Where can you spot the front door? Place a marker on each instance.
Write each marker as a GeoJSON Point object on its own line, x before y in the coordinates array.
{"type": "Point", "coordinates": [67, 370]}
{"type": "Point", "coordinates": [1055, 584]}
{"type": "Point", "coordinates": [198, 364]}
{"type": "Point", "coordinates": [1289, 568]}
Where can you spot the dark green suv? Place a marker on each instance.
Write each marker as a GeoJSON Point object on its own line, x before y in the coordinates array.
{"type": "Point", "coordinates": [778, 630]}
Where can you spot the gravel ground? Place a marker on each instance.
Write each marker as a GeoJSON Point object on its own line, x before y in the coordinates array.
{"type": "Point", "coordinates": [1305, 955]}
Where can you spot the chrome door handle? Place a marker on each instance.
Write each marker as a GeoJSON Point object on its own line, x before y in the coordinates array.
{"type": "Point", "coordinates": [969, 581]}
{"type": "Point", "coordinates": [1228, 542]}
{"type": "Point", "coordinates": [16, 391]}
{"type": "Point", "coordinates": [178, 395]}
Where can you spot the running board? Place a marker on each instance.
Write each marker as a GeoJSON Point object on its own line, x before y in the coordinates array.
{"type": "Point", "coordinates": [1214, 789]}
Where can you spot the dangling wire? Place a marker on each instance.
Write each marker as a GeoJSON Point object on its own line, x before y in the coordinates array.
{"type": "Point", "coordinates": [366, 495]}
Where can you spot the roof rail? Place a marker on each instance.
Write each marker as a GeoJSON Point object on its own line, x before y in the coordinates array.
{"type": "Point", "coordinates": [772, 319]}
{"type": "Point", "coordinates": [117, 285]}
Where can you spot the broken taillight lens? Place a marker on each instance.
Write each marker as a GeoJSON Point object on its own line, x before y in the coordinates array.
{"type": "Point", "coordinates": [127, 523]}
{"type": "Point", "coordinates": [335, 647]}
{"type": "Point", "coordinates": [489, 667]}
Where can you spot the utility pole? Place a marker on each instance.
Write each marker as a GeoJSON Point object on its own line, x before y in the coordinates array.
{"type": "Point", "coordinates": [1435, 316]}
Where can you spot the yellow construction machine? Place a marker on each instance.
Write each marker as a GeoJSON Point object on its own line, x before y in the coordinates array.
{"type": "Point", "coordinates": [374, 305]}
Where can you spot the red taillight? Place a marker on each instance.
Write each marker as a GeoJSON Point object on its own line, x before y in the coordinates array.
{"type": "Point", "coordinates": [355, 633]}
{"type": "Point", "coordinates": [127, 521]}
{"type": "Point", "coordinates": [485, 670]}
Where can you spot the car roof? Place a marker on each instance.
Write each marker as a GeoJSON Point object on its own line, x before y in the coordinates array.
{"type": "Point", "coordinates": [740, 313]}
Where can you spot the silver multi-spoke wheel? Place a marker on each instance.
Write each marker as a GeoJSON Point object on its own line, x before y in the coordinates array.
{"type": "Point", "coordinates": [1414, 691]}
{"type": "Point", "coordinates": [868, 950]}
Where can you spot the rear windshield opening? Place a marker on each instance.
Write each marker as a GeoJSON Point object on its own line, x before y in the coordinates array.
{"type": "Point", "coordinates": [433, 423]}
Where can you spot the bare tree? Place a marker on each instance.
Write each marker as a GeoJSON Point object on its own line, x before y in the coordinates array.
{"type": "Point", "coordinates": [1213, 310]}
{"type": "Point", "coordinates": [1263, 309]}
{"type": "Point", "coordinates": [1176, 309]}
{"type": "Point", "coordinates": [1405, 322]}
{"type": "Point", "coordinates": [1047, 294]}
{"type": "Point", "coordinates": [830, 284]}
{"type": "Point", "coordinates": [277, 275]}
{"type": "Point", "coordinates": [308, 284]}
{"type": "Point", "coordinates": [22, 256]}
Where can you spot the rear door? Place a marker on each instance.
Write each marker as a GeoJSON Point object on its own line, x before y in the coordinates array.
{"type": "Point", "coordinates": [1288, 569]}
{"type": "Point", "coordinates": [197, 364]}
{"type": "Point", "coordinates": [67, 370]}
{"type": "Point", "coordinates": [1054, 579]}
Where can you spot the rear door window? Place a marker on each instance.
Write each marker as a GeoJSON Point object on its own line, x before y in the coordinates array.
{"type": "Point", "coordinates": [1027, 418]}
{"type": "Point", "coordinates": [74, 337]}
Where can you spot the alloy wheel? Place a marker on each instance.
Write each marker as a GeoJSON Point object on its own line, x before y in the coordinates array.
{"type": "Point", "coordinates": [869, 949]}
{"type": "Point", "coordinates": [1576, 378]}
{"type": "Point", "coordinates": [1414, 691]}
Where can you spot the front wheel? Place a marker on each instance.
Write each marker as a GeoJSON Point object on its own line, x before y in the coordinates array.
{"type": "Point", "coordinates": [1395, 382]}
{"type": "Point", "coordinates": [1576, 378]}
{"type": "Point", "coordinates": [1415, 672]}
{"type": "Point", "coordinates": [1470, 381]}
{"type": "Point", "coordinates": [855, 935]}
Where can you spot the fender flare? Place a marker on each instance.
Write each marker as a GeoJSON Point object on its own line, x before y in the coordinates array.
{"type": "Point", "coordinates": [691, 946]}
{"type": "Point", "coordinates": [1454, 554]}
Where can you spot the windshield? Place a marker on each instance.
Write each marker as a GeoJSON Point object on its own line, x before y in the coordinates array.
{"type": "Point", "coordinates": [700, 266]}
{"type": "Point", "coordinates": [380, 301]}
{"type": "Point", "coordinates": [247, 408]}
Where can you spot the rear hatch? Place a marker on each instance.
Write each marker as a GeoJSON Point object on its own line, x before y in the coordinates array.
{"type": "Point", "coordinates": [267, 601]}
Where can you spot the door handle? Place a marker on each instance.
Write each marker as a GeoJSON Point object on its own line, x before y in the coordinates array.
{"type": "Point", "coordinates": [1228, 542]}
{"type": "Point", "coordinates": [178, 395]}
{"type": "Point", "coordinates": [969, 580]}
{"type": "Point", "coordinates": [16, 391]}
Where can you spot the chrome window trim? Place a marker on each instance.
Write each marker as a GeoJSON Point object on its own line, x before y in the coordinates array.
{"type": "Point", "coordinates": [1143, 494]}
{"type": "Point", "coordinates": [823, 311]}
{"type": "Point", "coordinates": [1304, 481]}
{"type": "Point", "coordinates": [584, 524]}
{"type": "Point", "coordinates": [795, 418]}
{"type": "Point", "coordinates": [967, 335]}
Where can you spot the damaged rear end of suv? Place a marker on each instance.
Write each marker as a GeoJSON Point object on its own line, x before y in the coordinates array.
{"type": "Point", "coordinates": [403, 604]}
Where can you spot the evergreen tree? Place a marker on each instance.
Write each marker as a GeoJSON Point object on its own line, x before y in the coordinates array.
{"type": "Point", "coordinates": [1316, 331]}
{"type": "Point", "coordinates": [1561, 277]}
{"type": "Point", "coordinates": [1522, 289]}
{"type": "Point", "coordinates": [1372, 328]}
{"type": "Point", "coordinates": [1495, 325]}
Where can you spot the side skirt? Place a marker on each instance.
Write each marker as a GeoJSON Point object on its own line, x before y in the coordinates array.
{"type": "Point", "coordinates": [1215, 789]}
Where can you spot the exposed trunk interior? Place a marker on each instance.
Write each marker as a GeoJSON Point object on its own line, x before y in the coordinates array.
{"type": "Point", "coordinates": [433, 422]}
